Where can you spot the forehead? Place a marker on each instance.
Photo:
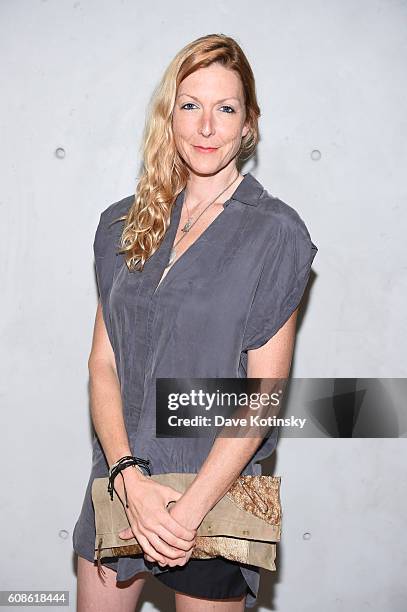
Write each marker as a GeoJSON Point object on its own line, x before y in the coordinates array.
{"type": "Point", "coordinates": [213, 78]}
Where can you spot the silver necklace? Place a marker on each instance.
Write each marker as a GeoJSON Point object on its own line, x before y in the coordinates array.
{"type": "Point", "coordinates": [190, 222]}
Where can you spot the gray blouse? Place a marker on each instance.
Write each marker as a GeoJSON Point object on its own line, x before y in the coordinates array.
{"type": "Point", "coordinates": [229, 292]}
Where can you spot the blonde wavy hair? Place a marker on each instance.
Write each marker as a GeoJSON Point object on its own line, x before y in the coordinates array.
{"type": "Point", "coordinates": [165, 173]}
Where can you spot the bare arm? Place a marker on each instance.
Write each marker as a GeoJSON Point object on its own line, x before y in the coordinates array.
{"type": "Point", "coordinates": [228, 456]}
{"type": "Point", "coordinates": [106, 402]}
{"type": "Point", "coordinates": [155, 529]}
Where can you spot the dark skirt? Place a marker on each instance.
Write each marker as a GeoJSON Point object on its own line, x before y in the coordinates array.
{"type": "Point", "coordinates": [215, 578]}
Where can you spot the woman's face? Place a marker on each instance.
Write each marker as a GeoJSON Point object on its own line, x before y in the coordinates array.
{"type": "Point", "coordinates": [209, 112]}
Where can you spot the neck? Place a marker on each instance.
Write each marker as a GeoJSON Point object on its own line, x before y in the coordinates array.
{"type": "Point", "coordinates": [204, 188]}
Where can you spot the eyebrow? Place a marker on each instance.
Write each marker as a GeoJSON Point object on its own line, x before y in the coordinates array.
{"type": "Point", "coordinates": [223, 99]}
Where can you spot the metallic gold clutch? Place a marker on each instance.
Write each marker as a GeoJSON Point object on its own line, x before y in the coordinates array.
{"type": "Point", "coordinates": [244, 525]}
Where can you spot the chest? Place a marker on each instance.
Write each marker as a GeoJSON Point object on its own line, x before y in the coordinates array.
{"type": "Point", "coordinates": [213, 276]}
{"type": "Point", "coordinates": [189, 230]}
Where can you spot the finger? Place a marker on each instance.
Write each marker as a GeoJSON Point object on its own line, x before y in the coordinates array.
{"type": "Point", "coordinates": [150, 550]}
{"type": "Point", "coordinates": [172, 525]}
{"type": "Point", "coordinates": [161, 529]}
{"type": "Point", "coordinates": [148, 558]}
{"type": "Point", "coordinates": [126, 534]}
{"type": "Point", "coordinates": [157, 546]}
{"type": "Point", "coordinates": [181, 561]}
{"type": "Point", "coordinates": [163, 548]}
{"type": "Point", "coordinates": [172, 540]}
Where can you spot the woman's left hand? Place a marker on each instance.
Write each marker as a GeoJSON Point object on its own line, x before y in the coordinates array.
{"type": "Point", "coordinates": [180, 514]}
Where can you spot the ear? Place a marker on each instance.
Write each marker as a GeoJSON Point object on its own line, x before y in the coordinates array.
{"type": "Point", "coordinates": [245, 130]}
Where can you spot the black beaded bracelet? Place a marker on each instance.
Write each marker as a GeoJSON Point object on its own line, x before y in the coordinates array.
{"type": "Point", "coordinates": [120, 465]}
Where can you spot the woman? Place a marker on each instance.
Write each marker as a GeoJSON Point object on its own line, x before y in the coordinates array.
{"type": "Point", "coordinates": [206, 283]}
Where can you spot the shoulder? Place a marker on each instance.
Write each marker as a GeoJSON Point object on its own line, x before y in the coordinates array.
{"type": "Point", "coordinates": [116, 209]}
{"type": "Point", "coordinates": [110, 226]}
{"type": "Point", "coordinates": [280, 215]}
{"type": "Point", "coordinates": [269, 213]}
{"type": "Point", "coordinates": [280, 230]}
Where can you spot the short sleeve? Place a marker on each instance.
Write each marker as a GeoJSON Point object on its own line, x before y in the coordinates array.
{"type": "Point", "coordinates": [106, 245]}
{"type": "Point", "coordinates": [283, 279]}
{"type": "Point", "coordinates": [103, 248]}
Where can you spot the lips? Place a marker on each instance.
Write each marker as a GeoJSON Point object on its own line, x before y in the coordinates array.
{"type": "Point", "coordinates": [205, 149]}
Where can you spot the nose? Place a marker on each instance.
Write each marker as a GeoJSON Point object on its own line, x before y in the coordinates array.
{"type": "Point", "coordinates": [207, 125]}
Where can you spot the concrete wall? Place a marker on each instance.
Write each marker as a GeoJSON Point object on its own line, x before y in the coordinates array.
{"type": "Point", "coordinates": [330, 79]}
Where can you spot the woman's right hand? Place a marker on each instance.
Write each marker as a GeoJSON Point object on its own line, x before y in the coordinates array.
{"type": "Point", "coordinates": [157, 532]}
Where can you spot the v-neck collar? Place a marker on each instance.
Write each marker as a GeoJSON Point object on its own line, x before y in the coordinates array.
{"type": "Point", "coordinates": [247, 192]}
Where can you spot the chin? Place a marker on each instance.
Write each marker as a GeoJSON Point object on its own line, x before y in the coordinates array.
{"type": "Point", "coordinates": [203, 168]}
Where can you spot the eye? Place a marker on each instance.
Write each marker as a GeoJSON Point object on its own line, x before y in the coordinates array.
{"type": "Point", "coordinates": [229, 112]}
{"type": "Point", "coordinates": [231, 109]}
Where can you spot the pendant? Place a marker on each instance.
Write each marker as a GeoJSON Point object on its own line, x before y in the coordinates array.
{"type": "Point", "coordinates": [187, 226]}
